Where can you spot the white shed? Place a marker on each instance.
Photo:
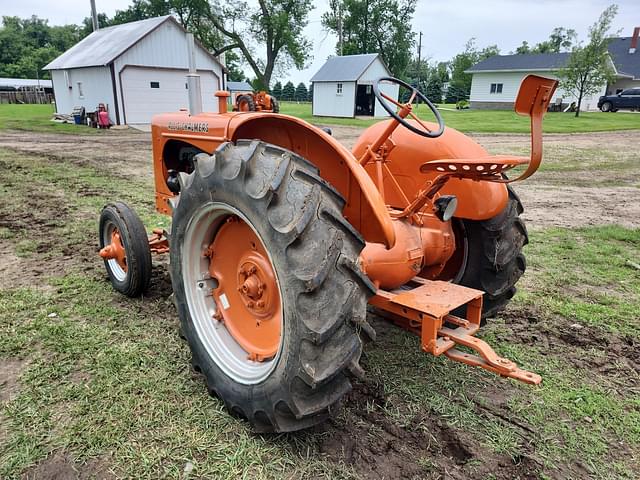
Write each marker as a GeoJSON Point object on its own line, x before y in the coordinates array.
{"type": "Point", "coordinates": [137, 69]}
{"type": "Point", "coordinates": [343, 87]}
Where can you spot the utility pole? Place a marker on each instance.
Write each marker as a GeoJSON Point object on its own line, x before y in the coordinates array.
{"type": "Point", "coordinates": [94, 15]}
{"type": "Point", "coordinates": [419, 59]}
{"type": "Point", "coordinates": [340, 28]}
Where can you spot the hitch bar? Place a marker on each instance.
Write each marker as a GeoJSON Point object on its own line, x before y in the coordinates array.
{"type": "Point", "coordinates": [426, 311]}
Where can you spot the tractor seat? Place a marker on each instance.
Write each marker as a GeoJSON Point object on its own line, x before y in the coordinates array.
{"type": "Point", "coordinates": [475, 168]}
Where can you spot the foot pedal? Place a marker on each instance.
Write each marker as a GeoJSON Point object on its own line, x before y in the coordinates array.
{"type": "Point", "coordinates": [426, 311]}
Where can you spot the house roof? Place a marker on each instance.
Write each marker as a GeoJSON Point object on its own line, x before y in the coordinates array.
{"type": "Point", "coordinates": [24, 82]}
{"type": "Point", "coordinates": [627, 64]}
{"type": "Point", "coordinates": [345, 68]}
{"type": "Point", "coordinates": [105, 45]}
{"type": "Point", "coordinates": [239, 86]}
{"type": "Point", "coordinates": [527, 61]}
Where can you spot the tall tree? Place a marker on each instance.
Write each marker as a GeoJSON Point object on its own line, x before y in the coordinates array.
{"type": "Point", "coordinates": [27, 45]}
{"type": "Point", "coordinates": [560, 40]}
{"type": "Point", "coordinates": [275, 27]}
{"type": "Point", "coordinates": [374, 26]}
{"type": "Point", "coordinates": [277, 90]}
{"type": "Point", "coordinates": [465, 60]}
{"type": "Point", "coordinates": [589, 66]}
{"type": "Point", "coordinates": [288, 91]}
{"type": "Point", "coordinates": [434, 89]}
{"type": "Point", "coordinates": [301, 93]}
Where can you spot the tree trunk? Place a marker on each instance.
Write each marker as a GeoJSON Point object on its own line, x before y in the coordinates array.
{"type": "Point", "coordinates": [580, 94]}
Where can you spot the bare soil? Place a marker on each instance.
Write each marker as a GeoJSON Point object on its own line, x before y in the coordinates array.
{"type": "Point", "coordinates": [564, 199]}
{"type": "Point", "coordinates": [363, 435]}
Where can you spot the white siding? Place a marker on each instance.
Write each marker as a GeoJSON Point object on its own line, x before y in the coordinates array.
{"type": "Point", "coordinates": [328, 103]}
{"type": "Point", "coordinates": [96, 88]}
{"type": "Point", "coordinates": [370, 75]}
{"type": "Point", "coordinates": [481, 88]}
{"type": "Point", "coordinates": [166, 47]}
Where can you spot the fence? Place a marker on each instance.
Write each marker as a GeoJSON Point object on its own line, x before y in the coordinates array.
{"type": "Point", "coordinates": [26, 97]}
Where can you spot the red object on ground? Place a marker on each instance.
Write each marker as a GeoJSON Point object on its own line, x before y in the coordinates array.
{"type": "Point", "coordinates": [103, 119]}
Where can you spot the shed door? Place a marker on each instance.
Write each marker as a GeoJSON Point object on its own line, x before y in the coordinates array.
{"type": "Point", "coordinates": [148, 91]}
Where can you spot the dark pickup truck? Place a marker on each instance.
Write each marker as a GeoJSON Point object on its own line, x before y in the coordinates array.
{"type": "Point", "coordinates": [629, 98]}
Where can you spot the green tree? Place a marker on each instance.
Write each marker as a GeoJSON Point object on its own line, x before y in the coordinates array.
{"type": "Point", "coordinates": [277, 90]}
{"type": "Point", "coordinates": [560, 40]}
{"type": "Point", "coordinates": [370, 26]}
{"type": "Point", "coordinates": [465, 60]}
{"type": "Point", "coordinates": [274, 27]}
{"type": "Point", "coordinates": [301, 93]}
{"type": "Point", "coordinates": [288, 92]}
{"type": "Point", "coordinates": [434, 89]}
{"type": "Point", "coordinates": [310, 93]}
{"type": "Point", "coordinates": [456, 92]}
{"type": "Point", "coordinates": [27, 45]}
{"type": "Point", "coordinates": [589, 66]}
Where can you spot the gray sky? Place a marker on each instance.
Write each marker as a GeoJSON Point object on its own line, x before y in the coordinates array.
{"type": "Point", "coordinates": [446, 24]}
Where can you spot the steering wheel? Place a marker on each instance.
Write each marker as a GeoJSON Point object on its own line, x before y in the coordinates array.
{"type": "Point", "coordinates": [383, 98]}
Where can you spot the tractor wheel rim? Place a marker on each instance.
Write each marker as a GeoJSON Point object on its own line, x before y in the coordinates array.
{"type": "Point", "coordinates": [118, 264]}
{"type": "Point", "coordinates": [232, 293]}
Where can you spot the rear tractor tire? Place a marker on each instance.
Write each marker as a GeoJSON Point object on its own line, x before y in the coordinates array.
{"type": "Point", "coordinates": [245, 103]}
{"type": "Point", "coordinates": [122, 231]}
{"type": "Point", "coordinates": [267, 285]}
{"type": "Point", "coordinates": [494, 261]}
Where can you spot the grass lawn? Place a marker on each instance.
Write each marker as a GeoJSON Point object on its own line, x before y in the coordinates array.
{"type": "Point", "coordinates": [37, 118]}
{"type": "Point", "coordinates": [490, 121]}
{"type": "Point", "coordinates": [101, 383]}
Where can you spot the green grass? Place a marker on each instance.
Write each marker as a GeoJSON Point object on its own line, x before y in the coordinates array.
{"type": "Point", "coordinates": [37, 118]}
{"type": "Point", "coordinates": [107, 377]}
{"type": "Point", "coordinates": [490, 121]}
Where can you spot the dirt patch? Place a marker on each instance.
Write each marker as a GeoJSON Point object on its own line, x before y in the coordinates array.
{"type": "Point", "coordinates": [10, 371]}
{"type": "Point", "coordinates": [59, 466]}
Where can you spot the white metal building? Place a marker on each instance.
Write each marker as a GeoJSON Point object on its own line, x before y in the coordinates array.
{"type": "Point", "coordinates": [137, 69]}
{"type": "Point", "coordinates": [343, 87]}
{"type": "Point", "coordinates": [496, 80]}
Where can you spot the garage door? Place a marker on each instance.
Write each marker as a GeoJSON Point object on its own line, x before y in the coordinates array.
{"type": "Point", "coordinates": [148, 91]}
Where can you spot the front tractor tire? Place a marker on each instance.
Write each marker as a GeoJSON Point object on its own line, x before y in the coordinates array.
{"type": "Point", "coordinates": [125, 246]}
{"type": "Point", "coordinates": [493, 260]}
{"type": "Point", "coordinates": [253, 214]}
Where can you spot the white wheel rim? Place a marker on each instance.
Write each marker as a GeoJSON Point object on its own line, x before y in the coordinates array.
{"type": "Point", "coordinates": [114, 267]}
{"type": "Point", "coordinates": [221, 347]}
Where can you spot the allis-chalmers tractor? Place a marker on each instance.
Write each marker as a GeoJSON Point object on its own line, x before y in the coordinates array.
{"type": "Point", "coordinates": [256, 102]}
{"type": "Point", "coordinates": [281, 236]}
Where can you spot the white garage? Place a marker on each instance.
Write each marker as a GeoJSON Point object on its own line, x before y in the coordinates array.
{"type": "Point", "coordinates": [148, 91]}
{"type": "Point", "coordinates": [136, 69]}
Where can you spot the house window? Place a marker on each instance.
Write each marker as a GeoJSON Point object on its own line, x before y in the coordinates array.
{"type": "Point", "coordinates": [80, 91]}
{"type": "Point", "coordinates": [155, 84]}
{"type": "Point", "coordinates": [339, 89]}
{"type": "Point", "coordinates": [496, 88]}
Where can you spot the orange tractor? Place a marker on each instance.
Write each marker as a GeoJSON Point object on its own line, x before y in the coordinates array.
{"type": "Point", "coordinates": [281, 236]}
{"type": "Point", "coordinates": [256, 102]}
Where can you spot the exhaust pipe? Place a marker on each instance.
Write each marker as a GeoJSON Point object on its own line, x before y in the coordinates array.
{"type": "Point", "coordinates": [193, 79]}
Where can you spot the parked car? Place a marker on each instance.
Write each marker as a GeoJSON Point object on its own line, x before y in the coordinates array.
{"type": "Point", "coordinates": [629, 98]}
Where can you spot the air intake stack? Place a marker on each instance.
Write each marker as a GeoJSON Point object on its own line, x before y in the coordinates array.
{"type": "Point", "coordinates": [193, 79]}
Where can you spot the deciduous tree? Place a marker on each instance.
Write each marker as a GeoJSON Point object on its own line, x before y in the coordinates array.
{"type": "Point", "coordinates": [589, 66]}
{"type": "Point", "coordinates": [370, 26]}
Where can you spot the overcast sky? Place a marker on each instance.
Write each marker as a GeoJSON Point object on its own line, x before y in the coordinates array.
{"type": "Point", "coordinates": [446, 24]}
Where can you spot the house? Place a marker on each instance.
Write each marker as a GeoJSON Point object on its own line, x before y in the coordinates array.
{"type": "Point", "coordinates": [238, 88]}
{"type": "Point", "coordinates": [136, 69]}
{"type": "Point", "coordinates": [496, 80]}
{"type": "Point", "coordinates": [343, 87]}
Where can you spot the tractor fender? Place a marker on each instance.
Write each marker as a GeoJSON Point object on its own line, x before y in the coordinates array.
{"type": "Point", "coordinates": [364, 208]}
{"type": "Point", "coordinates": [408, 151]}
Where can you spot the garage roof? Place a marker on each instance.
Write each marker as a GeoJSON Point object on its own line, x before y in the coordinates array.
{"type": "Point", "coordinates": [239, 86]}
{"type": "Point", "coordinates": [346, 68]}
{"type": "Point", "coordinates": [105, 45]}
{"type": "Point", "coordinates": [527, 61]}
{"type": "Point", "coordinates": [627, 64]}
